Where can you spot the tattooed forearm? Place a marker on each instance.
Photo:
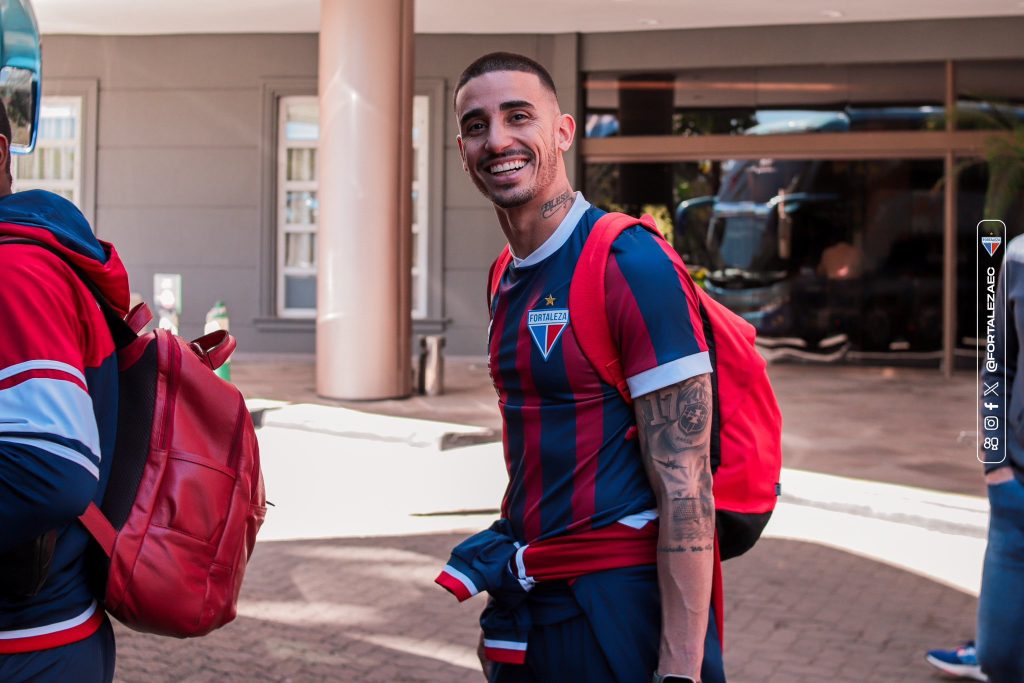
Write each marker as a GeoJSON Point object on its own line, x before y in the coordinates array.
{"type": "Point", "coordinates": [674, 428]}
{"type": "Point", "coordinates": [562, 202]}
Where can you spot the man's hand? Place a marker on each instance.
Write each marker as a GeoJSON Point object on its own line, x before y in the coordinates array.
{"type": "Point", "coordinates": [675, 430]}
{"type": "Point", "coordinates": [485, 663]}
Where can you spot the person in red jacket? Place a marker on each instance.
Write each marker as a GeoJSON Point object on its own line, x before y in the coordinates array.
{"type": "Point", "coordinates": [58, 416]}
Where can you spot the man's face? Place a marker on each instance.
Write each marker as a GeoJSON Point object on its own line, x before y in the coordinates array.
{"type": "Point", "coordinates": [512, 136]}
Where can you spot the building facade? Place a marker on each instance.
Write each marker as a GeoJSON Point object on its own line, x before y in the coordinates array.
{"type": "Point", "coordinates": [197, 155]}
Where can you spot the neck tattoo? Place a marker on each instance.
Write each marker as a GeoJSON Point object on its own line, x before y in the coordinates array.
{"type": "Point", "coordinates": [561, 202]}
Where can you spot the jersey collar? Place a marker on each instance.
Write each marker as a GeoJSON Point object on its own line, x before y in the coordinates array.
{"type": "Point", "coordinates": [558, 237]}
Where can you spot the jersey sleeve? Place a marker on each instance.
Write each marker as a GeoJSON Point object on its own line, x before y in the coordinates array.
{"type": "Point", "coordinates": [49, 442]}
{"type": "Point", "coordinates": [653, 313]}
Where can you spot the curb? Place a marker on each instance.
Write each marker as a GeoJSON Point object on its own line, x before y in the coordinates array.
{"type": "Point", "coordinates": [932, 510]}
{"type": "Point", "coordinates": [354, 424]}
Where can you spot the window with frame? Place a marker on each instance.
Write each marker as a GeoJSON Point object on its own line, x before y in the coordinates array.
{"type": "Point", "coordinates": [56, 163]}
{"type": "Point", "coordinates": [768, 100]}
{"type": "Point", "coordinates": [420, 202]}
{"type": "Point", "coordinates": [298, 205]}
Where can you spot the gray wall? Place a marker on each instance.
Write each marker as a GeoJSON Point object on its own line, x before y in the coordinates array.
{"type": "Point", "coordinates": [184, 143]}
{"type": "Point", "coordinates": [184, 170]}
{"type": "Point", "coordinates": [179, 158]}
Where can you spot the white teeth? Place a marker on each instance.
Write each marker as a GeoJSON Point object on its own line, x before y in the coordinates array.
{"type": "Point", "coordinates": [507, 166]}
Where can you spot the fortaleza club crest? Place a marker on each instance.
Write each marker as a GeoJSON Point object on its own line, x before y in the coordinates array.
{"type": "Point", "coordinates": [991, 243]}
{"type": "Point", "coordinates": [546, 326]}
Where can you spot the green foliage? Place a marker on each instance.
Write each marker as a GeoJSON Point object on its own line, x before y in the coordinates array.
{"type": "Point", "coordinates": [1005, 157]}
{"type": "Point", "coordinates": [1004, 154]}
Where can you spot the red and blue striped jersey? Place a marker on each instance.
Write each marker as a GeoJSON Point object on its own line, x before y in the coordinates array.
{"type": "Point", "coordinates": [571, 467]}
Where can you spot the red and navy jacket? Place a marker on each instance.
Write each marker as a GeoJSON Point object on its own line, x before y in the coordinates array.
{"type": "Point", "coordinates": [58, 407]}
{"type": "Point", "coordinates": [507, 570]}
{"type": "Point", "coordinates": [571, 466]}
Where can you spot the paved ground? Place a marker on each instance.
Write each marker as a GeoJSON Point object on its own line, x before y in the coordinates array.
{"type": "Point", "coordinates": [366, 610]}
{"type": "Point", "coordinates": [859, 599]}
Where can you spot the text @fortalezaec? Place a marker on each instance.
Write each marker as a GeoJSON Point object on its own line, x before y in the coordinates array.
{"type": "Point", "coordinates": [990, 320]}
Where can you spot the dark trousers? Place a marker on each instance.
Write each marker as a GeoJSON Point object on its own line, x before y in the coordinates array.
{"type": "Point", "coordinates": [87, 661]}
{"type": "Point", "coordinates": [605, 628]}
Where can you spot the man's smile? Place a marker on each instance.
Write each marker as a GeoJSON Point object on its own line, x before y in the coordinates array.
{"type": "Point", "coordinates": [508, 165]}
{"type": "Point", "coordinates": [505, 167]}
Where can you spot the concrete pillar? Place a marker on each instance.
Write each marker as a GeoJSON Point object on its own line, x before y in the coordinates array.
{"type": "Point", "coordinates": [364, 240]}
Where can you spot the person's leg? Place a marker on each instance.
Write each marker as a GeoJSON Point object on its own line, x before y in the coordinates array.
{"type": "Point", "coordinates": [1001, 604]}
{"type": "Point", "coordinates": [87, 661]}
{"type": "Point", "coordinates": [615, 640]}
{"type": "Point", "coordinates": [632, 663]}
{"type": "Point", "coordinates": [623, 611]}
{"type": "Point", "coordinates": [568, 651]}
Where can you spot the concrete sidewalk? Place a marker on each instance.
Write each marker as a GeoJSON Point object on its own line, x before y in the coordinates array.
{"type": "Point", "coordinates": [872, 557]}
{"type": "Point", "coordinates": [900, 425]}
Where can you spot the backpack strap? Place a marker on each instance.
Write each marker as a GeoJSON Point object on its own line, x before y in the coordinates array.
{"type": "Point", "coordinates": [495, 273]}
{"type": "Point", "coordinates": [587, 298]}
{"type": "Point", "coordinates": [99, 528]}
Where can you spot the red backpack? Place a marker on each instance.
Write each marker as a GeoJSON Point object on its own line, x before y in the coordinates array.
{"type": "Point", "coordinates": [746, 430]}
{"type": "Point", "coordinates": [185, 496]}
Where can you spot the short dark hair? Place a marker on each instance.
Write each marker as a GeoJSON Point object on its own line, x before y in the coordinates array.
{"type": "Point", "coordinates": [504, 61]}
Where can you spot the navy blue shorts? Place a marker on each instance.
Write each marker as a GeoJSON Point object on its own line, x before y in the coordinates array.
{"type": "Point", "coordinates": [87, 661]}
{"type": "Point", "coordinates": [605, 628]}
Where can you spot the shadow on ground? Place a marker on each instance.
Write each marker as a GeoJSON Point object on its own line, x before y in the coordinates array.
{"type": "Point", "coordinates": [366, 611]}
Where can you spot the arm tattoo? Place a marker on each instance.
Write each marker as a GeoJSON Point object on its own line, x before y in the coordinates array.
{"type": "Point", "coordinates": [686, 517]}
{"type": "Point", "coordinates": [669, 464]}
{"type": "Point", "coordinates": [707, 547]}
{"type": "Point", "coordinates": [674, 427]}
{"type": "Point", "coordinates": [676, 418]}
{"type": "Point", "coordinates": [561, 201]}
{"type": "Point", "coordinates": [693, 507]}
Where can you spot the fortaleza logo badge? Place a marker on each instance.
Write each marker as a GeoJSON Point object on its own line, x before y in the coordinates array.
{"type": "Point", "coordinates": [991, 243]}
{"type": "Point", "coordinates": [546, 327]}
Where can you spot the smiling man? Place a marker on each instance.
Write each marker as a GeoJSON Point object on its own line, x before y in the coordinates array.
{"type": "Point", "coordinates": [585, 583]}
